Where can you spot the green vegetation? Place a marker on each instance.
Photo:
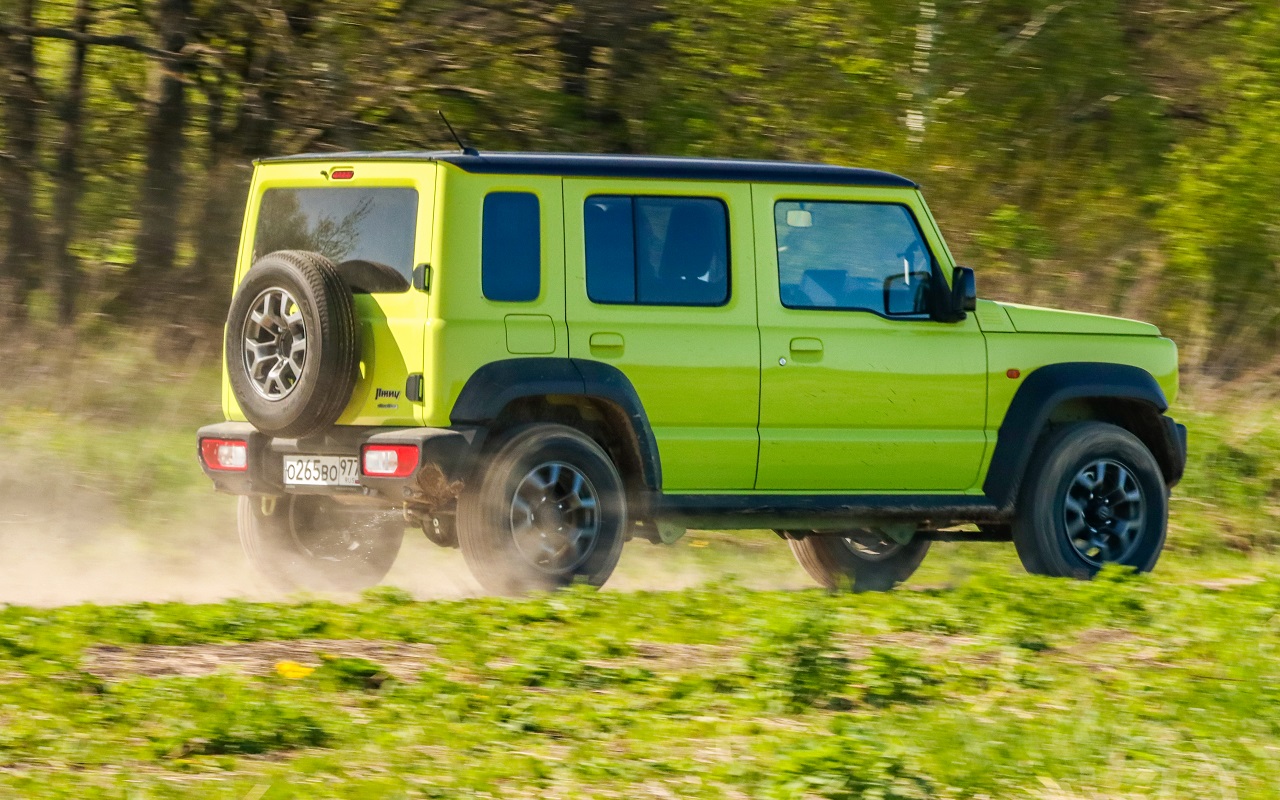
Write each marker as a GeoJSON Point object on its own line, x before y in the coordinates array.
{"type": "Point", "coordinates": [1099, 154]}
{"type": "Point", "coordinates": [999, 685]}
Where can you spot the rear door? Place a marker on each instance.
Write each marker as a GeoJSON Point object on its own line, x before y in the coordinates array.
{"type": "Point", "coordinates": [857, 396]}
{"type": "Point", "coordinates": [660, 280]}
{"type": "Point", "coordinates": [378, 213]}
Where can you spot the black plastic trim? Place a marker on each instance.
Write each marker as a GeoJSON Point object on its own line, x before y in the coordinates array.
{"type": "Point", "coordinates": [1043, 391]}
{"type": "Point", "coordinates": [587, 165]}
{"type": "Point", "coordinates": [743, 511]}
{"type": "Point", "coordinates": [497, 384]}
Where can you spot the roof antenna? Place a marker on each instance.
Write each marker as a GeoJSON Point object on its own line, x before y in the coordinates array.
{"type": "Point", "coordinates": [466, 151]}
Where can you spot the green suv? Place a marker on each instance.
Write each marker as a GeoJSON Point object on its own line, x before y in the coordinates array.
{"type": "Point", "coordinates": [537, 357]}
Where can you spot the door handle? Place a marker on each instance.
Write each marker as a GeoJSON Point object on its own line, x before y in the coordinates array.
{"type": "Point", "coordinates": [606, 341]}
{"type": "Point", "coordinates": [805, 344]}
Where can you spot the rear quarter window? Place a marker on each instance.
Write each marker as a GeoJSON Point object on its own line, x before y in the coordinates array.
{"type": "Point", "coordinates": [511, 247]}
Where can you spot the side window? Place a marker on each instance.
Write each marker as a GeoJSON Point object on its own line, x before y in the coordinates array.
{"type": "Point", "coordinates": [670, 251]}
{"type": "Point", "coordinates": [852, 256]}
{"type": "Point", "coordinates": [511, 247]}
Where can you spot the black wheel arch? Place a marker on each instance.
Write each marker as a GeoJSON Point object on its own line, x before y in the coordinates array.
{"type": "Point", "coordinates": [500, 385]}
{"type": "Point", "coordinates": [1122, 394]}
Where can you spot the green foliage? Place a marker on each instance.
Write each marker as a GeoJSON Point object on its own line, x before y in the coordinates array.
{"type": "Point", "coordinates": [798, 660]}
{"type": "Point", "coordinates": [1103, 155]}
{"type": "Point", "coordinates": [1141, 683]}
{"type": "Point", "coordinates": [850, 764]}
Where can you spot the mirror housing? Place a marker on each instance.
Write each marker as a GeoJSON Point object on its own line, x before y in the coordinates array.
{"type": "Point", "coordinates": [964, 295]}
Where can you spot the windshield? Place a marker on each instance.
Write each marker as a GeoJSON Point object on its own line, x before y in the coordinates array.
{"type": "Point", "coordinates": [343, 224]}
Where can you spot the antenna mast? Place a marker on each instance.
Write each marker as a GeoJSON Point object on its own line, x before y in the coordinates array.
{"type": "Point", "coordinates": [466, 151]}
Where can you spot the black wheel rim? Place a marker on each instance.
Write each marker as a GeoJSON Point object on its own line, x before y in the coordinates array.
{"type": "Point", "coordinates": [870, 545]}
{"type": "Point", "coordinates": [1104, 511]}
{"type": "Point", "coordinates": [555, 518]}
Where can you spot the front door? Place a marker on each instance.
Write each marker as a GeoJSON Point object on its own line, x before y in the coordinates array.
{"type": "Point", "coordinates": [857, 396]}
{"type": "Point", "coordinates": [661, 284]}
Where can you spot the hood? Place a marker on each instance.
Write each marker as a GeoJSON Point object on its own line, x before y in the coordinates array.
{"type": "Point", "coordinates": [1032, 319]}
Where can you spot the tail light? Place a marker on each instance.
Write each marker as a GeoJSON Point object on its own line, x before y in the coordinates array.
{"type": "Point", "coordinates": [229, 455]}
{"type": "Point", "coordinates": [389, 460]}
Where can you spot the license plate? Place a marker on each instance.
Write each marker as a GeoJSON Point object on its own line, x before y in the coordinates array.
{"type": "Point", "coordinates": [321, 471]}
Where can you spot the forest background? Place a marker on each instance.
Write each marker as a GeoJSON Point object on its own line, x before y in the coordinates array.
{"type": "Point", "coordinates": [1104, 155]}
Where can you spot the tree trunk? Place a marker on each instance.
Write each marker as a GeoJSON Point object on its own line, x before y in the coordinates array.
{"type": "Point", "coordinates": [19, 262]}
{"type": "Point", "coordinates": [226, 179]}
{"type": "Point", "coordinates": [67, 175]}
{"type": "Point", "coordinates": [160, 201]}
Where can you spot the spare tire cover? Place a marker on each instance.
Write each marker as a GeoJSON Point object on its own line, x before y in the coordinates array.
{"type": "Point", "coordinates": [293, 344]}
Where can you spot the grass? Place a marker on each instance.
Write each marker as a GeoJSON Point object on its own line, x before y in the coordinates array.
{"type": "Point", "coordinates": [1002, 685]}
{"type": "Point", "coordinates": [975, 681]}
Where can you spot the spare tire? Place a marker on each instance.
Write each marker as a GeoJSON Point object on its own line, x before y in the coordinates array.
{"type": "Point", "coordinates": [293, 344]}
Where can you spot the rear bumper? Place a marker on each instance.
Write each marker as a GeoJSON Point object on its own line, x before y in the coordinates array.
{"type": "Point", "coordinates": [445, 459]}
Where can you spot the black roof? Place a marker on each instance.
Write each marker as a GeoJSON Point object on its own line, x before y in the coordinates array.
{"type": "Point", "coordinates": [605, 166]}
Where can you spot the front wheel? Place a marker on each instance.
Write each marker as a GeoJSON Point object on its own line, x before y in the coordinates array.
{"type": "Point", "coordinates": [1093, 495]}
{"type": "Point", "coordinates": [311, 542]}
{"type": "Point", "coordinates": [862, 560]}
{"type": "Point", "coordinates": [548, 511]}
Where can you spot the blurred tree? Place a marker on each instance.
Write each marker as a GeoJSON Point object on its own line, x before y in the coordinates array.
{"type": "Point", "coordinates": [160, 202]}
{"type": "Point", "coordinates": [19, 262]}
{"type": "Point", "coordinates": [1070, 148]}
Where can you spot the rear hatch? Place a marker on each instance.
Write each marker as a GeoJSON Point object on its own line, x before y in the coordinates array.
{"type": "Point", "coordinates": [372, 219]}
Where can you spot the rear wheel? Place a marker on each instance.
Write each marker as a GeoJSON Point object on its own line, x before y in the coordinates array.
{"type": "Point", "coordinates": [863, 560]}
{"type": "Point", "coordinates": [310, 542]}
{"type": "Point", "coordinates": [549, 510]}
{"type": "Point", "coordinates": [1093, 495]}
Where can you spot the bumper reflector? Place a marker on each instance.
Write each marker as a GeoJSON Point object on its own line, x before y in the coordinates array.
{"type": "Point", "coordinates": [389, 460]}
{"type": "Point", "coordinates": [229, 455]}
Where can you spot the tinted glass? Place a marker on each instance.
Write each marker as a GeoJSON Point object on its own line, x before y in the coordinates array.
{"type": "Point", "coordinates": [344, 224]}
{"type": "Point", "coordinates": [852, 256]}
{"type": "Point", "coordinates": [657, 250]}
{"type": "Point", "coordinates": [611, 249]}
{"type": "Point", "coordinates": [511, 247]}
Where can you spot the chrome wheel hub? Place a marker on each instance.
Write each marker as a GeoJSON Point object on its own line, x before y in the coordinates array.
{"type": "Point", "coordinates": [555, 518]}
{"type": "Point", "coordinates": [275, 344]}
{"type": "Point", "coordinates": [1104, 512]}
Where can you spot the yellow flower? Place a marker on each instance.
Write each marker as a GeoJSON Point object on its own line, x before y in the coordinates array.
{"type": "Point", "coordinates": [293, 670]}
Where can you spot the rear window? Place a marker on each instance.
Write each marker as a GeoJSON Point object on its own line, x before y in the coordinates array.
{"type": "Point", "coordinates": [343, 224]}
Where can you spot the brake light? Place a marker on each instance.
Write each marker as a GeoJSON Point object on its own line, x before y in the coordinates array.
{"type": "Point", "coordinates": [229, 455]}
{"type": "Point", "coordinates": [389, 460]}
{"type": "Point", "coordinates": [342, 175]}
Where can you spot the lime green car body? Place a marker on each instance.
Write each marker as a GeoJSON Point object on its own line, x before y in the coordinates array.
{"type": "Point", "coordinates": [746, 397]}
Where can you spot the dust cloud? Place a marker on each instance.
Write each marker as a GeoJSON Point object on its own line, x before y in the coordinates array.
{"type": "Point", "coordinates": [62, 545]}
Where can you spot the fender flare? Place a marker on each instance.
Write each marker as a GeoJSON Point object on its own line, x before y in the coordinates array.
{"type": "Point", "coordinates": [497, 384]}
{"type": "Point", "coordinates": [1044, 390]}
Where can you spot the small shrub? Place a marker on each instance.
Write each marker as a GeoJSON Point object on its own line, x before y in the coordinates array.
{"type": "Point", "coordinates": [848, 766]}
{"type": "Point", "coordinates": [897, 676]}
{"type": "Point", "coordinates": [797, 659]}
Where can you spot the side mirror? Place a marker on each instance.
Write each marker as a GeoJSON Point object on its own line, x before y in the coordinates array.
{"type": "Point", "coordinates": [907, 294]}
{"type": "Point", "coordinates": [964, 292]}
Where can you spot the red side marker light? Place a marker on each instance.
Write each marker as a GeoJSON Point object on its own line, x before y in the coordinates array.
{"type": "Point", "coordinates": [342, 175]}
{"type": "Point", "coordinates": [1013, 374]}
{"type": "Point", "coordinates": [389, 460]}
{"type": "Point", "coordinates": [227, 455]}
